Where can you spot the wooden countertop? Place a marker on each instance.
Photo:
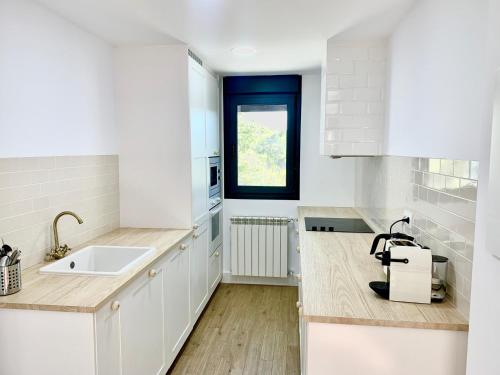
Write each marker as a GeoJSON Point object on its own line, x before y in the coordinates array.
{"type": "Point", "coordinates": [336, 269]}
{"type": "Point", "coordinates": [88, 293]}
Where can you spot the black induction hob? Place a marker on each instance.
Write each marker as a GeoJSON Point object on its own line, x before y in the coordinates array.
{"type": "Point", "coordinates": [330, 224]}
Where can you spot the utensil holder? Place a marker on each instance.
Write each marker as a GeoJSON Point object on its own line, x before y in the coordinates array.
{"type": "Point", "coordinates": [10, 279]}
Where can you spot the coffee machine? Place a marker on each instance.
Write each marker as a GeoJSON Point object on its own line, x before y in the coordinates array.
{"type": "Point", "coordinates": [413, 274]}
{"type": "Point", "coordinates": [409, 273]}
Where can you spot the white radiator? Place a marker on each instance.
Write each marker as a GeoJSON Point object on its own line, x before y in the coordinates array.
{"type": "Point", "coordinates": [259, 246]}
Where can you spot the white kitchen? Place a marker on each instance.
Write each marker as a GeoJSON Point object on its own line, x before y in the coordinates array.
{"type": "Point", "coordinates": [264, 187]}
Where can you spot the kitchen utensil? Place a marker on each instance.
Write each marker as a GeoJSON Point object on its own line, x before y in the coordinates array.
{"type": "Point", "coordinates": [389, 236]}
{"type": "Point", "coordinates": [5, 249]}
{"type": "Point", "coordinates": [392, 236]}
{"type": "Point", "coordinates": [4, 261]}
{"type": "Point", "coordinates": [13, 258]}
{"type": "Point", "coordinates": [10, 278]}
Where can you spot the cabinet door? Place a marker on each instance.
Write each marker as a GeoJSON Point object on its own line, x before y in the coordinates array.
{"type": "Point", "coordinates": [214, 269]}
{"type": "Point", "coordinates": [197, 106]}
{"type": "Point", "coordinates": [212, 116]}
{"type": "Point", "coordinates": [177, 309]}
{"type": "Point", "coordinates": [198, 269]}
{"type": "Point", "coordinates": [352, 128]}
{"type": "Point", "coordinates": [302, 332]}
{"type": "Point", "coordinates": [199, 188]}
{"type": "Point", "coordinates": [107, 323]}
{"type": "Point", "coordinates": [142, 331]}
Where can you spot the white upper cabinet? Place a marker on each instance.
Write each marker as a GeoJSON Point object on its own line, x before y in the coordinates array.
{"type": "Point", "coordinates": [204, 111]}
{"type": "Point", "coordinates": [212, 117]}
{"type": "Point", "coordinates": [197, 109]}
{"type": "Point", "coordinates": [200, 188]}
{"type": "Point", "coordinates": [353, 98]}
{"type": "Point", "coordinates": [204, 122]}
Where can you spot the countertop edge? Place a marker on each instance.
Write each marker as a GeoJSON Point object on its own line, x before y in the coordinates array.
{"type": "Point", "coordinates": [48, 308]}
{"type": "Point", "coordinates": [386, 323]}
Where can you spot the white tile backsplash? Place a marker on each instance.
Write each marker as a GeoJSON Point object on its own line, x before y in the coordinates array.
{"type": "Point", "coordinates": [441, 196]}
{"type": "Point", "coordinates": [34, 190]}
{"type": "Point", "coordinates": [351, 81]}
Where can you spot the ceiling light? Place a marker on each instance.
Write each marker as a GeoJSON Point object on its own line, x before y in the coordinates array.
{"type": "Point", "coordinates": [243, 51]}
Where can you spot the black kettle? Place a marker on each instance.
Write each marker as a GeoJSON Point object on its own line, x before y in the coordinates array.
{"type": "Point", "coordinates": [389, 236]}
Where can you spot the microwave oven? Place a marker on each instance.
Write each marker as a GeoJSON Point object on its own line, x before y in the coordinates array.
{"type": "Point", "coordinates": [214, 177]}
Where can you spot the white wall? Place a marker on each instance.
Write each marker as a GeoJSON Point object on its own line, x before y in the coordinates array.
{"type": "Point", "coordinates": [56, 92]}
{"type": "Point", "coordinates": [444, 59]}
{"type": "Point", "coordinates": [436, 88]}
{"type": "Point", "coordinates": [323, 181]}
{"type": "Point", "coordinates": [484, 336]}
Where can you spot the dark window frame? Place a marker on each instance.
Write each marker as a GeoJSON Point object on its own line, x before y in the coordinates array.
{"type": "Point", "coordinates": [248, 90]}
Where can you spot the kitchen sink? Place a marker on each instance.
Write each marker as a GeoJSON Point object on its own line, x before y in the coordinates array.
{"type": "Point", "coordinates": [99, 261]}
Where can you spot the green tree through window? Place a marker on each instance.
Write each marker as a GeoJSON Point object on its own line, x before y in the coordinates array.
{"type": "Point", "coordinates": [262, 145]}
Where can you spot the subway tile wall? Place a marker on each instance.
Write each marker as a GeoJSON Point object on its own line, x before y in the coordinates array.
{"type": "Point", "coordinates": [34, 190]}
{"type": "Point", "coordinates": [355, 84]}
{"type": "Point", "coordinates": [440, 195]}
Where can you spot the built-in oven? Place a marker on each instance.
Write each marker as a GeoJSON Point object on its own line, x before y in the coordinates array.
{"type": "Point", "coordinates": [214, 177]}
{"type": "Point", "coordinates": [215, 225]}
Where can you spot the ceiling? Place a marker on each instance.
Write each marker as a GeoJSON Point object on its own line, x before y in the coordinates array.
{"type": "Point", "coordinates": [289, 35]}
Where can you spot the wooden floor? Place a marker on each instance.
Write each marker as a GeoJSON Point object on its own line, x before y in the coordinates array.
{"type": "Point", "coordinates": [245, 329]}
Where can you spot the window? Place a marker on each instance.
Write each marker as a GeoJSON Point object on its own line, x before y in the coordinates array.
{"type": "Point", "coordinates": [262, 137]}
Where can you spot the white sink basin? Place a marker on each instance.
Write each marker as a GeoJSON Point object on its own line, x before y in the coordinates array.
{"type": "Point", "coordinates": [99, 261]}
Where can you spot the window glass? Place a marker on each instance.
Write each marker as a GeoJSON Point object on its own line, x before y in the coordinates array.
{"type": "Point", "coordinates": [261, 140]}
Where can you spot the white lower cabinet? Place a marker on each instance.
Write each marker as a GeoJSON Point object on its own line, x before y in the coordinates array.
{"type": "Point", "coordinates": [214, 268]}
{"type": "Point", "coordinates": [302, 331]}
{"type": "Point", "coordinates": [198, 271]}
{"type": "Point", "coordinates": [130, 329]}
{"type": "Point", "coordinates": [141, 331]}
{"type": "Point", "coordinates": [177, 309]}
{"type": "Point", "coordinates": [108, 352]}
{"type": "Point", "coordinates": [141, 318]}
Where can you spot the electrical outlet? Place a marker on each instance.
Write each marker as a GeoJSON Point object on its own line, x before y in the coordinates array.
{"type": "Point", "coordinates": [409, 215]}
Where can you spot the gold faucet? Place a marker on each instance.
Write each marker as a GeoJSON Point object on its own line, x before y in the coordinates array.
{"type": "Point", "coordinates": [58, 252]}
